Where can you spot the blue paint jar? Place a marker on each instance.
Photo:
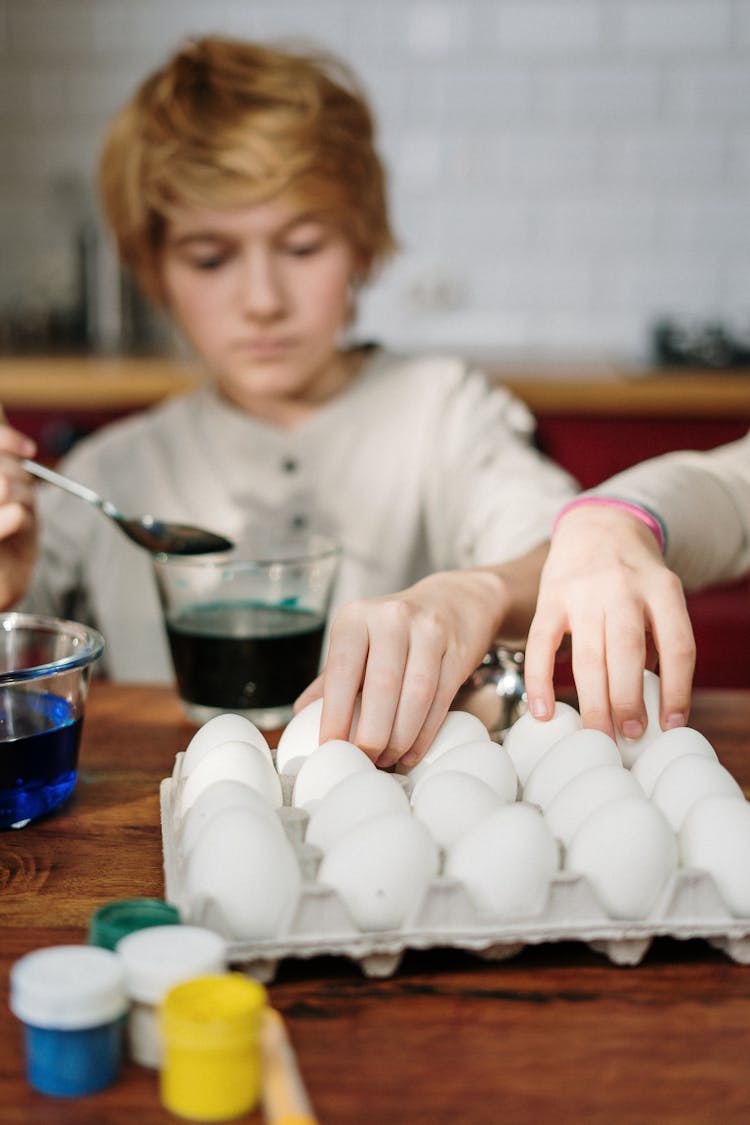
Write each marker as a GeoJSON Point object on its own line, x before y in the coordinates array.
{"type": "Point", "coordinates": [72, 1001]}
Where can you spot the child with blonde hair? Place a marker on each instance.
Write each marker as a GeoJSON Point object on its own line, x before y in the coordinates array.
{"type": "Point", "coordinates": [245, 192]}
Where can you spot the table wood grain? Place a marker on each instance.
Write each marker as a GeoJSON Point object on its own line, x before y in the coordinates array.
{"type": "Point", "coordinates": [556, 1034]}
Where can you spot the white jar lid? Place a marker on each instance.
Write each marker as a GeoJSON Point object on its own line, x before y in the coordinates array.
{"type": "Point", "coordinates": [68, 987]}
{"type": "Point", "coordinates": [158, 957]}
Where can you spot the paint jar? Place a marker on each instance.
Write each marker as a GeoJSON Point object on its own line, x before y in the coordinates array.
{"type": "Point", "coordinates": [116, 919]}
{"type": "Point", "coordinates": [211, 1033]}
{"type": "Point", "coordinates": [71, 1000]}
{"type": "Point", "coordinates": [156, 959]}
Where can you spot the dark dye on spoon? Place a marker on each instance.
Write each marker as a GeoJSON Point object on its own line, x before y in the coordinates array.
{"type": "Point", "coordinates": [38, 754]}
{"type": "Point", "coordinates": [155, 535]}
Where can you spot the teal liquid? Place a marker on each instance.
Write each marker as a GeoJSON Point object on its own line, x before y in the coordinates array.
{"type": "Point", "coordinates": [38, 754]}
{"type": "Point", "coordinates": [240, 656]}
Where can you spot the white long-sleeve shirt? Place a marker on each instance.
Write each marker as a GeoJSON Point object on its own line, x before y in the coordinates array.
{"type": "Point", "coordinates": [704, 500]}
{"type": "Point", "coordinates": [421, 464]}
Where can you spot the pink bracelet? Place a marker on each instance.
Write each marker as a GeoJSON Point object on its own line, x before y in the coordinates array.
{"type": "Point", "coordinates": [652, 521]}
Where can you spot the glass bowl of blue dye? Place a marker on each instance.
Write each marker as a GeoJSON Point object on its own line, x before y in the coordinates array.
{"type": "Point", "coordinates": [45, 667]}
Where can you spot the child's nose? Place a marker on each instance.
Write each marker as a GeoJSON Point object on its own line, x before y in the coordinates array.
{"type": "Point", "coordinates": [261, 292]}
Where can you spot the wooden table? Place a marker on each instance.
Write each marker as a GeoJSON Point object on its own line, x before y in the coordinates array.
{"type": "Point", "coordinates": [556, 1034]}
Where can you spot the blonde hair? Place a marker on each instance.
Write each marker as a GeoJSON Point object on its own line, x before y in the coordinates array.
{"type": "Point", "coordinates": [226, 123]}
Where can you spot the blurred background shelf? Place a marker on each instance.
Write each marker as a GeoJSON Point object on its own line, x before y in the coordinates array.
{"type": "Point", "coordinates": [588, 388]}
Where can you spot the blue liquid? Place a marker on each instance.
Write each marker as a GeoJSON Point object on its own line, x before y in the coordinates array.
{"type": "Point", "coordinates": [38, 754]}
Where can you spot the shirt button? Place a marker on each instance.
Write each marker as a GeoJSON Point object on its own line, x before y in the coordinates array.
{"type": "Point", "coordinates": [298, 522]}
{"type": "Point", "coordinates": [289, 465]}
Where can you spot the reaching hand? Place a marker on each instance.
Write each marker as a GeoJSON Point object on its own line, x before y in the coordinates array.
{"type": "Point", "coordinates": [18, 529]}
{"type": "Point", "coordinates": [409, 653]}
{"type": "Point", "coordinates": [606, 584]}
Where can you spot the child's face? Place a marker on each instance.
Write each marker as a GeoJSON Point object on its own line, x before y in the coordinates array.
{"type": "Point", "coordinates": [262, 294]}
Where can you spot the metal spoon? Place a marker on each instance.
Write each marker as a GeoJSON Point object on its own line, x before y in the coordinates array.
{"type": "Point", "coordinates": [154, 534]}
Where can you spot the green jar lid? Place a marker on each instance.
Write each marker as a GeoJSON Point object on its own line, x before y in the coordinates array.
{"type": "Point", "coordinates": [116, 919]}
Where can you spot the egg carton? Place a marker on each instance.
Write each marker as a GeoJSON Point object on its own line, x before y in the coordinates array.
{"type": "Point", "coordinates": [689, 907]}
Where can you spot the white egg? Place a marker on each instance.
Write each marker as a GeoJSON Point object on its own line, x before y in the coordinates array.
{"type": "Point", "coordinates": [529, 739]}
{"type": "Point", "coordinates": [381, 869]}
{"type": "Point", "coordinates": [357, 798]}
{"type": "Point", "coordinates": [506, 862]}
{"type": "Point", "coordinates": [685, 780]}
{"type": "Point", "coordinates": [457, 728]}
{"type": "Point", "coordinates": [628, 852]}
{"type": "Point", "coordinates": [242, 876]}
{"type": "Point", "coordinates": [715, 837]}
{"type": "Point", "coordinates": [232, 761]}
{"type": "Point", "coordinates": [324, 768]}
{"type": "Point", "coordinates": [667, 746]}
{"type": "Point", "coordinates": [216, 799]}
{"type": "Point", "coordinates": [222, 728]}
{"type": "Point", "coordinates": [483, 759]}
{"type": "Point", "coordinates": [585, 792]}
{"type": "Point", "coordinates": [632, 748]}
{"type": "Point", "coordinates": [301, 736]}
{"type": "Point", "coordinates": [449, 804]}
{"type": "Point", "coordinates": [571, 755]}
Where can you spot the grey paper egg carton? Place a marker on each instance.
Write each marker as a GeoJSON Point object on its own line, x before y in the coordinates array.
{"type": "Point", "coordinates": [690, 907]}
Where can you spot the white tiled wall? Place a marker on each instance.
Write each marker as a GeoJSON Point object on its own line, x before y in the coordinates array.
{"type": "Point", "coordinates": [563, 171]}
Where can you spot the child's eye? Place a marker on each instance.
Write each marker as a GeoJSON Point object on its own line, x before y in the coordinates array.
{"type": "Point", "coordinates": [304, 249]}
{"type": "Point", "coordinates": [204, 254]}
{"type": "Point", "coordinates": [208, 262]}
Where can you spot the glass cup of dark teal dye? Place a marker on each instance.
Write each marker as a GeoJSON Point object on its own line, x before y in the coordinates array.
{"type": "Point", "coordinates": [45, 665]}
{"type": "Point", "coordinates": [246, 628]}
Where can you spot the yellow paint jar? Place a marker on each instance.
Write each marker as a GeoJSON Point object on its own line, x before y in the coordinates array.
{"type": "Point", "coordinates": [211, 1036]}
